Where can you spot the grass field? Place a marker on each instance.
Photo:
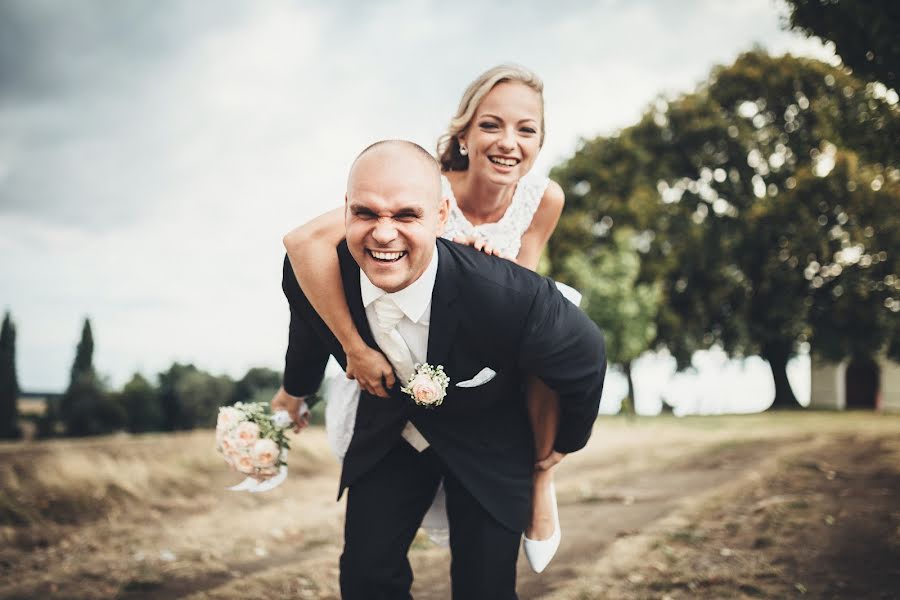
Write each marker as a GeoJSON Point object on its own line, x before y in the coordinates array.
{"type": "Point", "coordinates": [757, 506]}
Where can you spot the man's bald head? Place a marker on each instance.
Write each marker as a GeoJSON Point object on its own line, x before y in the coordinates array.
{"type": "Point", "coordinates": [394, 212]}
{"type": "Point", "coordinates": [410, 157]}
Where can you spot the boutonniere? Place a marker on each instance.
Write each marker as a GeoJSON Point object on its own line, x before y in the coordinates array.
{"type": "Point", "coordinates": [427, 386]}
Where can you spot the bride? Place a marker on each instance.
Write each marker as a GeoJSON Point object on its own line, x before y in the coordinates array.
{"type": "Point", "coordinates": [496, 205]}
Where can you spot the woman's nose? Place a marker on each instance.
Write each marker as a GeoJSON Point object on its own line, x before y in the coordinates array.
{"type": "Point", "coordinates": [507, 140]}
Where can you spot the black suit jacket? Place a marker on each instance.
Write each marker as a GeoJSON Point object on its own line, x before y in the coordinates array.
{"type": "Point", "coordinates": [485, 312]}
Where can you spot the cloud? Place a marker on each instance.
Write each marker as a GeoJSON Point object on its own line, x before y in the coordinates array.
{"type": "Point", "coordinates": [152, 154]}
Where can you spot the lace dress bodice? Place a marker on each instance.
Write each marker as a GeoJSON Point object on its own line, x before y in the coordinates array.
{"type": "Point", "coordinates": [506, 234]}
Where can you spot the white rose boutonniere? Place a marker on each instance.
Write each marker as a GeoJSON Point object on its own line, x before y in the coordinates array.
{"type": "Point", "coordinates": [427, 386]}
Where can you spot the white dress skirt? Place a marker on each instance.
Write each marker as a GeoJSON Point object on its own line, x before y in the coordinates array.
{"type": "Point", "coordinates": [342, 395]}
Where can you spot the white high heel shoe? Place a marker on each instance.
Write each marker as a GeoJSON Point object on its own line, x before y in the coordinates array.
{"type": "Point", "coordinates": [540, 552]}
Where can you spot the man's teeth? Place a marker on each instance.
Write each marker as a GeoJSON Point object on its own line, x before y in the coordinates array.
{"type": "Point", "coordinates": [506, 162]}
{"type": "Point", "coordinates": [387, 255]}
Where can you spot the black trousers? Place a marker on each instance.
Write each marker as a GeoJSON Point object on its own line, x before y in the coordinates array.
{"type": "Point", "coordinates": [384, 510]}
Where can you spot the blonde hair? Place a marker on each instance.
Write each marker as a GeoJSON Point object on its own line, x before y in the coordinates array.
{"type": "Point", "coordinates": [448, 144]}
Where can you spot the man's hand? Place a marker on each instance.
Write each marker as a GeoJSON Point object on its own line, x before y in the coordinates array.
{"type": "Point", "coordinates": [295, 407]}
{"type": "Point", "coordinates": [370, 369]}
{"type": "Point", "coordinates": [549, 462]}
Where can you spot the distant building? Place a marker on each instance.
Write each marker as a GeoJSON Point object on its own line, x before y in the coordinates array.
{"type": "Point", "coordinates": [34, 404]}
{"type": "Point", "coordinates": [855, 384]}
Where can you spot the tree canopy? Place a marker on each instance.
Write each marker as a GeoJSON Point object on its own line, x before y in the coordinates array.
{"type": "Point", "coordinates": [865, 33]}
{"type": "Point", "coordinates": [758, 201]}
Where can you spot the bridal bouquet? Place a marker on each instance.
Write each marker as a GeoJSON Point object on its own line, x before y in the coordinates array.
{"type": "Point", "coordinates": [254, 442]}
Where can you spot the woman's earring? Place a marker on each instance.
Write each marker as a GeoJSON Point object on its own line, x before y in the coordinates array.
{"type": "Point", "coordinates": [463, 150]}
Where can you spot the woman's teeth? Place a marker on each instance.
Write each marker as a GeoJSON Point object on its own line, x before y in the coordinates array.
{"type": "Point", "coordinates": [387, 256]}
{"type": "Point", "coordinates": [506, 162]}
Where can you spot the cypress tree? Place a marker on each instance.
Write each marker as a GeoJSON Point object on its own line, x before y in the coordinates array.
{"type": "Point", "coordinates": [86, 407]}
{"type": "Point", "coordinates": [84, 355]}
{"type": "Point", "coordinates": [9, 383]}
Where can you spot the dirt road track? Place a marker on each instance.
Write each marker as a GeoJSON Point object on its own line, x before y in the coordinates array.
{"type": "Point", "coordinates": [593, 516]}
{"type": "Point", "coordinates": [746, 507]}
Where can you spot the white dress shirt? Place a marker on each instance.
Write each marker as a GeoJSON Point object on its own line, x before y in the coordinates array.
{"type": "Point", "coordinates": [415, 302]}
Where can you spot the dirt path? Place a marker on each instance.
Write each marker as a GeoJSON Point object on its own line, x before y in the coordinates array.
{"type": "Point", "coordinates": [752, 507]}
{"type": "Point", "coordinates": [593, 516]}
{"type": "Point", "coordinates": [824, 523]}
{"type": "Point", "coordinates": [607, 511]}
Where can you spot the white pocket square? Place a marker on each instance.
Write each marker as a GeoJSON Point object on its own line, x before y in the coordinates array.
{"type": "Point", "coordinates": [484, 375]}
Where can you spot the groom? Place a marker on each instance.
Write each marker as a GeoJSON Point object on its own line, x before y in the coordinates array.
{"type": "Point", "coordinates": [489, 323]}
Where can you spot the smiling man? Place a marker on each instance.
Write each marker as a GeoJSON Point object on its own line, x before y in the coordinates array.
{"type": "Point", "coordinates": [488, 323]}
{"type": "Point", "coordinates": [394, 213]}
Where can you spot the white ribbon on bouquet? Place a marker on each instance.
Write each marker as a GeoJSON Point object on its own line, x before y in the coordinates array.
{"type": "Point", "coordinates": [255, 486]}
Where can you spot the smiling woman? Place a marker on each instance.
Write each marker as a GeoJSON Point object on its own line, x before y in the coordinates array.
{"type": "Point", "coordinates": [498, 150]}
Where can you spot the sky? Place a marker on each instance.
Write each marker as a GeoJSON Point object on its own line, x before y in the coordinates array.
{"type": "Point", "coordinates": [154, 152]}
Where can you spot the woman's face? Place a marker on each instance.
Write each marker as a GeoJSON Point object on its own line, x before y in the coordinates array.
{"type": "Point", "coordinates": [504, 136]}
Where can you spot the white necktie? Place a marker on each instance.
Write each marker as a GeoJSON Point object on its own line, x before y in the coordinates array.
{"type": "Point", "coordinates": [388, 315]}
{"type": "Point", "coordinates": [395, 348]}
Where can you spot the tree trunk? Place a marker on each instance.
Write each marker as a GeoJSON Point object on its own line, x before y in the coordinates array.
{"type": "Point", "coordinates": [777, 357]}
{"type": "Point", "coordinates": [628, 401]}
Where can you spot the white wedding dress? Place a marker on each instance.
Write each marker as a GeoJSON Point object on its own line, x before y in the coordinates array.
{"type": "Point", "coordinates": [342, 394]}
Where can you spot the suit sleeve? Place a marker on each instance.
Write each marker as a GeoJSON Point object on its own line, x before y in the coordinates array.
{"type": "Point", "coordinates": [307, 354]}
{"type": "Point", "coordinates": [566, 350]}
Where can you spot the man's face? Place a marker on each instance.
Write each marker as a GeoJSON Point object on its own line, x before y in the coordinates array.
{"type": "Point", "coordinates": [393, 214]}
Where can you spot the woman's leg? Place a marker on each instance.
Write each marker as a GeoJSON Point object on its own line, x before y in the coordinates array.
{"type": "Point", "coordinates": [543, 412]}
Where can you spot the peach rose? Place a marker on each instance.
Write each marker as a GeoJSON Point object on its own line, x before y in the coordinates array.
{"type": "Point", "coordinates": [426, 390]}
{"type": "Point", "coordinates": [265, 453]}
{"type": "Point", "coordinates": [244, 464]}
{"type": "Point", "coordinates": [247, 433]}
{"type": "Point", "coordinates": [227, 443]}
{"type": "Point", "coordinates": [228, 418]}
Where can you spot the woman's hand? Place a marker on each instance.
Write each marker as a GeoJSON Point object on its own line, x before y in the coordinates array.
{"type": "Point", "coordinates": [549, 462]}
{"type": "Point", "coordinates": [481, 245]}
{"type": "Point", "coordinates": [370, 369]}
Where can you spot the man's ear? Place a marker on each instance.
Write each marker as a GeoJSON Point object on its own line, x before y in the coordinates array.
{"type": "Point", "coordinates": [443, 215]}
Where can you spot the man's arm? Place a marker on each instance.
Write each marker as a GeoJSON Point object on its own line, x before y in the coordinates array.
{"type": "Point", "coordinates": [307, 353]}
{"type": "Point", "coordinates": [565, 349]}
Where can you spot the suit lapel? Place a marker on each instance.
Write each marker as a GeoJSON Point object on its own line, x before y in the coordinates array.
{"type": "Point", "coordinates": [350, 276]}
{"type": "Point", "coordinates": [444, 308]}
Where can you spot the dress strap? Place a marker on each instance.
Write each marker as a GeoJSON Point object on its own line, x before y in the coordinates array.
{"type": "Point", "coordinates": [526, 200]}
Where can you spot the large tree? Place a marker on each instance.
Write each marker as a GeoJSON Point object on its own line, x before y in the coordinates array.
{"type": "Point", "coordinates": [191, 397]}
{"type": "Point", "coordinates": [259, 384]}
{"type": "Point", "coordinates": [142, 405]}
{"type": "Point", "coordinates": [175, 412]}
{"type": "Point", "coordinates": [719, 183]}
{"type": "Point", "coordinates": [865, 33]}
{"type": "Point", "coordinates": [9, 382]}
{"type": "Point", "coordinates": [202, 394]}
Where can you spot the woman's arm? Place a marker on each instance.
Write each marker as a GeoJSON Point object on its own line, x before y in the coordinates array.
{"type": "Point", "coordinates": [311, 250]}
{"type": "Point", "coordinates": [542, 225]}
